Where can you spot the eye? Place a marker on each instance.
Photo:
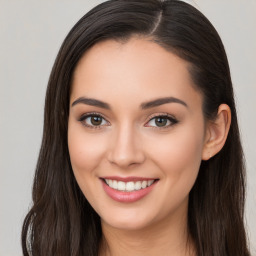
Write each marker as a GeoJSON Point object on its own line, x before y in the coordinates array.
{"type": "Point", "coordinates": [162, 121]}
{"type": "Point", "coordinates": [93, 120]}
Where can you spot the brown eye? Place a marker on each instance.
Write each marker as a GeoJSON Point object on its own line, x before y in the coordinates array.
{"type": "Point", "coordinates": [162, 121]}
{"type": "Point", "coordinates": [93, 121]}
{"type": "Point", "coordinates": [96, 120]}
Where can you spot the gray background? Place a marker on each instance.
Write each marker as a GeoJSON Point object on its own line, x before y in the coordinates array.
{"type": "Point", "coordinates": [31, 33]}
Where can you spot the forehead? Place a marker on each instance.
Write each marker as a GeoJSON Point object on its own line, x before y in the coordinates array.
{"type": "Point", "coordinates": [138, 69]}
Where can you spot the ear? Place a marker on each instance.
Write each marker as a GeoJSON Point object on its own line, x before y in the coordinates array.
{"type": "Point", "coordinates": [217, 132]}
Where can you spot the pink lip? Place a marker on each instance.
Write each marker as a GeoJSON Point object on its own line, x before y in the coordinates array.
{"type": "Point", "coordinates": [127, 197]}
{"type": "Point", "coordinates": [127, 179]}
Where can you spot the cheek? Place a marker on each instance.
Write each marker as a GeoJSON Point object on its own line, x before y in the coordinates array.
{"type": "Point", "coordinates": [178, 157]}
{"type": "Point", "coordinates": [179, 154]}
{"type": "Point", "coordinates": [85, 149]}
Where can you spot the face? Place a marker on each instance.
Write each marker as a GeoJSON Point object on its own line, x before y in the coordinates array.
{"type": "Point", "coordinates": [136, 133]}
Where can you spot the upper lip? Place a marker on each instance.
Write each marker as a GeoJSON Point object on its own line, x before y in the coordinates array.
{"type": "Point", "coordinates": [127, 179]}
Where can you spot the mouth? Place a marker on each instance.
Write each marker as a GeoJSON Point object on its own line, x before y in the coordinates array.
{"type": "Point", "coordinates": [128, 189]}
{"type": "Point", "coordinates": [129, 186]}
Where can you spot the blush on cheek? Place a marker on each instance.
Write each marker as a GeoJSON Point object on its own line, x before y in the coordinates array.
{"type": "Point", "coordinates": [85, 151]}
{"type": "Point", "coordinates": [180, 154]}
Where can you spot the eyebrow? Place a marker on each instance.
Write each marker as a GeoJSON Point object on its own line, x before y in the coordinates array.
{"type": "Point", "coordinates": [161, 101]}
{"type": "Point", "coordinates": [91, 102]}
{"type": "Point", "coordinates": [145, 105]}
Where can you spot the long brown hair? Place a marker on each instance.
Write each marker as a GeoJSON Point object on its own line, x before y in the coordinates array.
{"type": "Point", "coordinates": [61, 221]}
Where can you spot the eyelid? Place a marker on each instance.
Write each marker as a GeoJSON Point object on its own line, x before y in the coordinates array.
{"type": "Point", "coordinates": [89, 114]}
{"type": "Point", "coordinates": [171, 118]}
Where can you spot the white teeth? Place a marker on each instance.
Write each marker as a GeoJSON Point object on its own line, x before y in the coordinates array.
{"type": "Point", "coordinates": [150, 182]}
{"type": "Point", "coordinates": [114, 184]}
{"type": "Point", "coordinates": [138, 185]}
{"type": "Point", "coordinates": [120, 185]}
{"type": "Point", "coordinates": [129, 186]}
{"type": "Point", "coordinates": [144, 184]}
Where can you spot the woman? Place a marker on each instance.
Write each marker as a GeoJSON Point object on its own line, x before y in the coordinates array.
{"type": "Point", "coordinates": [141, 152]}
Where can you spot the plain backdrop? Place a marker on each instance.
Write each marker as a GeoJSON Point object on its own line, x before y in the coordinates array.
{"type": "Point", "coordinates": [31, 33]}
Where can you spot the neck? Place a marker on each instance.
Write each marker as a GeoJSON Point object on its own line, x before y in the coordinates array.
{"type": "Point", "coordinates": [158, 239]}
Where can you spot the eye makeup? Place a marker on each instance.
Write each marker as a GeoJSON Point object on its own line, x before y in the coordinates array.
{"type": "Point", "coordinates": [95, 120]}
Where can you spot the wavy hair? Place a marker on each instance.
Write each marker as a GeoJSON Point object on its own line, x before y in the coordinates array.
{"type": "Point", "coordinates": [61, 222]}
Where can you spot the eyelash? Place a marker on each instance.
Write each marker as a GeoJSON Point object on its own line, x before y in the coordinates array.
{"type": "Point", "coordinates": [170, 118]}
{"type": "Point", "coordinates": [83, 117]}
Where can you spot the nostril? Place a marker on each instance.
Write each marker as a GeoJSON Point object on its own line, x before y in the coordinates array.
{"type": "Point", "coordinates": [126, 157]}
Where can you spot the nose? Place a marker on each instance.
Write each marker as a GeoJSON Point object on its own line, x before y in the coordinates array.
{"type": "Point", "coordinates": [126, 148]}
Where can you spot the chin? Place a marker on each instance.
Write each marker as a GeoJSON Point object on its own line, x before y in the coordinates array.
{"type": "Point", "coordinates": [128, 221]}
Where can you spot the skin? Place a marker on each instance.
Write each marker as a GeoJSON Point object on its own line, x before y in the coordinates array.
{"type": "Point", "coordinates": [129, 142]}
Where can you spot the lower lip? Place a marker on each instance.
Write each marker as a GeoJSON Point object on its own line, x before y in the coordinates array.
{"type": "Point", "coordinates": [127, 197]}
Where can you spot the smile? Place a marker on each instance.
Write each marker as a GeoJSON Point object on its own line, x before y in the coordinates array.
{"type": "Point", "coordinates": [129, 189]}
{"type": "Point", "coordinates": [128, 186]}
